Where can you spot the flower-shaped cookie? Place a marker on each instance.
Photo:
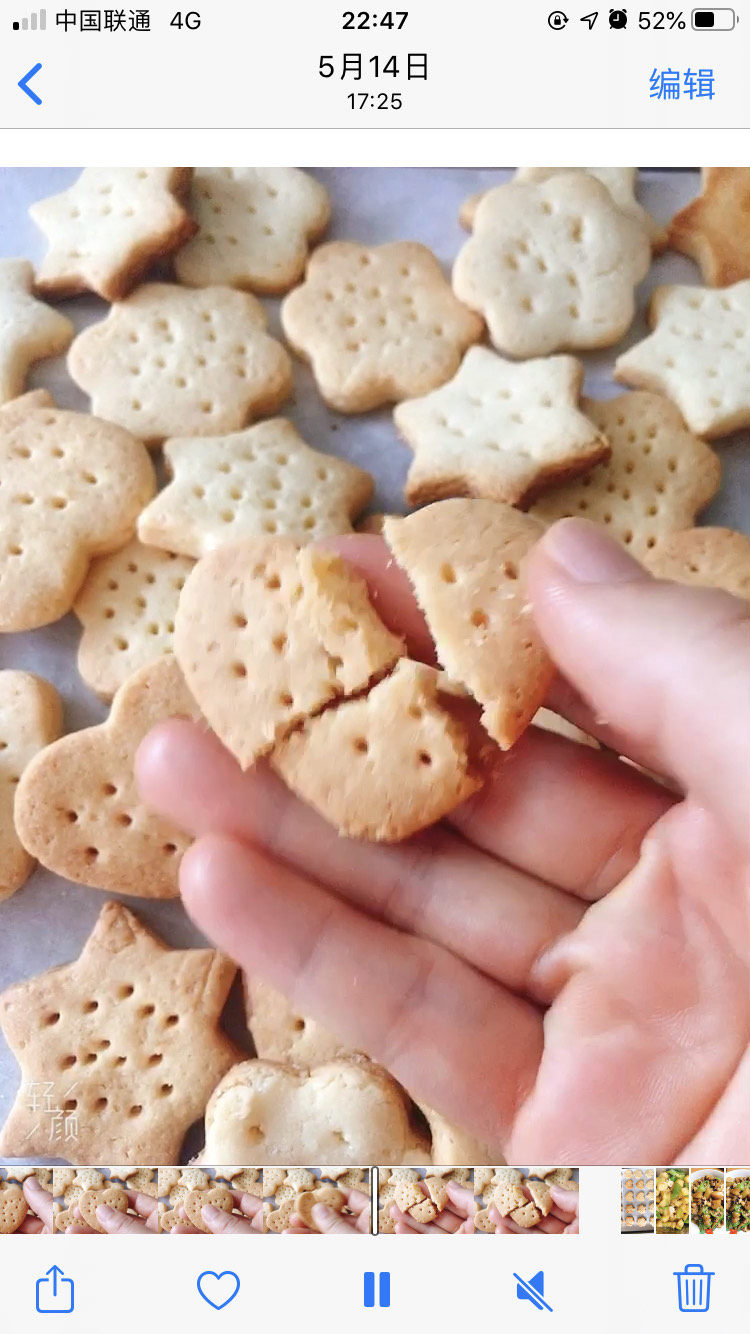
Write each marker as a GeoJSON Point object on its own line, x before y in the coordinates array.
{"type": "Point", "coordinates": [552, 265]}
{"type": "Point", "coordinates": [110, 226]}
{"type": "Point", "coordinates": [29, 330]}
{"type": "Point", "coordinates": [167, 361]}
{"type": "Point", "coordinates": [377, 323]}
{"type": "Point", "coordinates": [255, 227]}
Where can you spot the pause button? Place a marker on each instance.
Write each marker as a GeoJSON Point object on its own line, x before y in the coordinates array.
{"type": "Point", "coordinates": [384, 1288]}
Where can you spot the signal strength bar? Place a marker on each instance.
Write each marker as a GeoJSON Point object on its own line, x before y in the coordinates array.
{"type": "Point", "coordinates": [34, 22]}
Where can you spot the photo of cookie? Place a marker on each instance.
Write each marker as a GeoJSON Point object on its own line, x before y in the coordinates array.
{"type": "Point", "coordinates": [30, 719]}
{"type": "Point", "coordinates": [424, 1200]}
{"type": "Point", "coordinates": [712, 229]}
{"type": "Point", "coordinates": [167, 361]}
{"type": "Point", "coordinates": [107, 230]}
{"type": "Point", "coordinates": [29, 330]}
{"type": "Point", "coordinates": [377, 323]}
{"type": "Point", "coordinates": [708, 557]}
{"type": "Point", "coordinates": [255, 227]}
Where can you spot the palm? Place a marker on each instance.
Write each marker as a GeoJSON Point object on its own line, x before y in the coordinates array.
{"type": "Point", "coordinates": [533, 969]}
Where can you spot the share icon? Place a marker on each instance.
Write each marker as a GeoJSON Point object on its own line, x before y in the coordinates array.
{"type": "Point", "coordinates": [532, 1290]}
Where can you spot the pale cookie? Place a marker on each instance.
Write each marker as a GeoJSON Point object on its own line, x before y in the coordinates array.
{"type": "Point", "coordinates": [256, 226]}
{"type": "Point", "coordinates": [283, 1194]}
{"type": "Point", "coordinates": [167, 361]}
{"type": "Point", "coordinates": [482, 1179]}
{"type": "Point", "coordinates": [30, 718]}
{"type": "Point", "coordinates": [424, 1212]}
{"type": "Point", "coordinates": [177, 1195]}
{"type": "Point", "coordinates": [712, 229]}
{"type": "Point", "coordinates": [483, 1222]}
{"type": "Point", "coordinates": [404, 1174]}
{"type": "Point", "coordinates": [279, 1033]}
{"type": "Point", "coordinates": [194, 1178]}
{"type": "Point", "coordinates": [126, 1041]}
{"type": "Point", "coordinates": [386, 1222]}
{"type": "Point", "coordinates": [140, 1179]}
{"type": "Point", "coordinates": [195, 1200]}
{"type": "Point", "coordinates": [262, 1111]}
{"type": "Point", "coordinates": [77, 806]}
{"type": "Point", "coordinates": [90, 1178]}
{"type": "Point", "coordinates": [541, 1171]}
{"type": "Point", "coordinates": [167, 1178]}
{"type": "Point", "coordinates": [658, 478]}
{"type": "Point", "coordinates": [540, 1194]}
{"type": "Point", "coordinates": [72, 487]}
{"type": "Point", "coordinates": [620, 181]}
{"type": "Point", "coordinates": [450, 1144]}
{"type": "Point", "coordinates": [268, 634]}
{"type": "Point", "coordinates": [301, 1178]}
{"type": "Point", "coordinates": [562, 1177]}
{"type": "Point", "coordinates": [13, 1208]}
{"type": "Point", "coordinates": [169, 1219]}
{"type": "Point", "coordinates": [354, 1179]}
{"type": "Point", "coordinates": [377, 323]}
{"type": "Point", "coordinates": [408, 1194]}
{"type": "Point", "coordinates": [127, 607]}
{"type": "Point", "coordinates": [507, 1197]}
{"type": "Point", "coordinates": [384, 766]}
{"type": "Point", "coordinates": [126, 1173]}
{"type": "Point", "coordinates": [109, 227]}
{"type": "Point", "coordinates": [461, 1175]}
{"type": "Point", "coordinates": [465, 559]}
{"type": "Point", "coordinates": [257, 482]}
{"type": "Point", "coordinates": [697, 355]}
{"type": "Point", "coordinates": [29, 330]}
{"type": "Point", "coordinates": [552, 266]}
{"type": "Point", "coordinates": [90, 1200]}
{"type": "Point", "coordinates": [277, 1220]}
{"type": "Point", "coordinates": [499, 430]}
{"type": "Point", "coordinates": [507, 1176]}
{"type": "Point", "coordinates": [248, 1181]}
{"type": "Point", "coordinates": [273, 1178]}
{"type": "Point", "coordinates": [526, 1216]}
{"type": "Point", "coordinates": [437, 1191]}
{"type": "Point", "coordinates": [305, 1201]}
{"type": "Point", "coordinates": [708, 557]}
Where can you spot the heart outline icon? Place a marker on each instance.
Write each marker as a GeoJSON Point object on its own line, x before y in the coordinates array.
{"type": "Point", "coordinates": [211, 1273]}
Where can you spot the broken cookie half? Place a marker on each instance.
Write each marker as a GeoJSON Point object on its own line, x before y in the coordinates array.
{"type": "Point", "coordinates": [286, 656]}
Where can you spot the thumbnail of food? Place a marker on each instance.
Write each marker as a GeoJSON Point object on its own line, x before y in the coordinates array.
{"type": "Point", "coordinates": [672, 1200]}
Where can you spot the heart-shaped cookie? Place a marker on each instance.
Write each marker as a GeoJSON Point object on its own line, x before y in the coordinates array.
{"type": "Point", "coordinates": [196, 1200]}
{"type": "Point", "coordinates": [13, 1208]}
{"type": "Point", "coordinates": [408, 1193]}
{"type": "Point", "coordinates": [90, 1200]}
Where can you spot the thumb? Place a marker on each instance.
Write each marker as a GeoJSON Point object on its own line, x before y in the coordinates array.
{"type": "Point", "coordinates": [665, 667]}
{"type": "Point", "coordinates": [113, 1221]}
{"type": "Point", "coordinates": [327, 1220]}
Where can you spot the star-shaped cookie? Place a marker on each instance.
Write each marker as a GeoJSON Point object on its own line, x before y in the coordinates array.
{"type": "Point", "coordinates": [656, 480]}
{"type": "Point", "coordinates": [499, 429]}
{"type": "Point", "coordinates": [713, 229]}
{"type": "Point", "coordinates": [264, 480]}
{"type": "Point", "coordinates": [109, 227]}
{"type": "Point", "coordinates": [30, 718]}
{"type": "Point", "coordinates": [172, 361]}
{"type": "Point", "coordinates": [377, 323]}
{"type": "Point", "coordinates": [29, 330]}
{"type": "Point", "coordinates": [125, 1044]}
{"type": "Point", "coordinates": [552, 265]}
{"type": "Point", "coordinates": [256, 224]}
{"type": "Point", "coordinates": [698, 355]}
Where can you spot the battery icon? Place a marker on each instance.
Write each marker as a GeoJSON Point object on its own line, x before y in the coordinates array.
{"type": "Point", "coordinates": [714, 20]}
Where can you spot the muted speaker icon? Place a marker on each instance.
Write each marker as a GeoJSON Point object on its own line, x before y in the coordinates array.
{"type": "Point", "coordinates": [36, 22]}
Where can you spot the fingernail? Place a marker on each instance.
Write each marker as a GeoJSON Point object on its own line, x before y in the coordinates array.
{"type": "Point", "coordinates": [588, 555]}
{"type": "Point", "coordinates": [105, 1214]}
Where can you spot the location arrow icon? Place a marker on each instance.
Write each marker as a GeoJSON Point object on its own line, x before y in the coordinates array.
{"type": "Point", "coordinates": [590, 19]}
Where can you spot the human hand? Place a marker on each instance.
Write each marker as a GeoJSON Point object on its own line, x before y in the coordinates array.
{"type": "Point", "coordinates": [41, 1201]}
{"type": "Point", "coordinates": [328, 1220]}
{"type": "Point", "coordinates": [562, 1217]}
{"type": "Point", "coordinates": [142, 1223]}
{"type": "Point", "coordinates": [221, 1223]}
{"type": "Point", "coordinates": [458, 1215]}
{"type": "Point", "coordinates": [561, 967]}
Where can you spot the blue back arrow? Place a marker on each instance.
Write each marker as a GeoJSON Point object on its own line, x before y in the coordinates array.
{"type": "Point", "coordinates": [24, 84]}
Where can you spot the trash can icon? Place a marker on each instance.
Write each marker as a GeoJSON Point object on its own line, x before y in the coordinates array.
{"type": "Point", "coordinates": [694, 1287]}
